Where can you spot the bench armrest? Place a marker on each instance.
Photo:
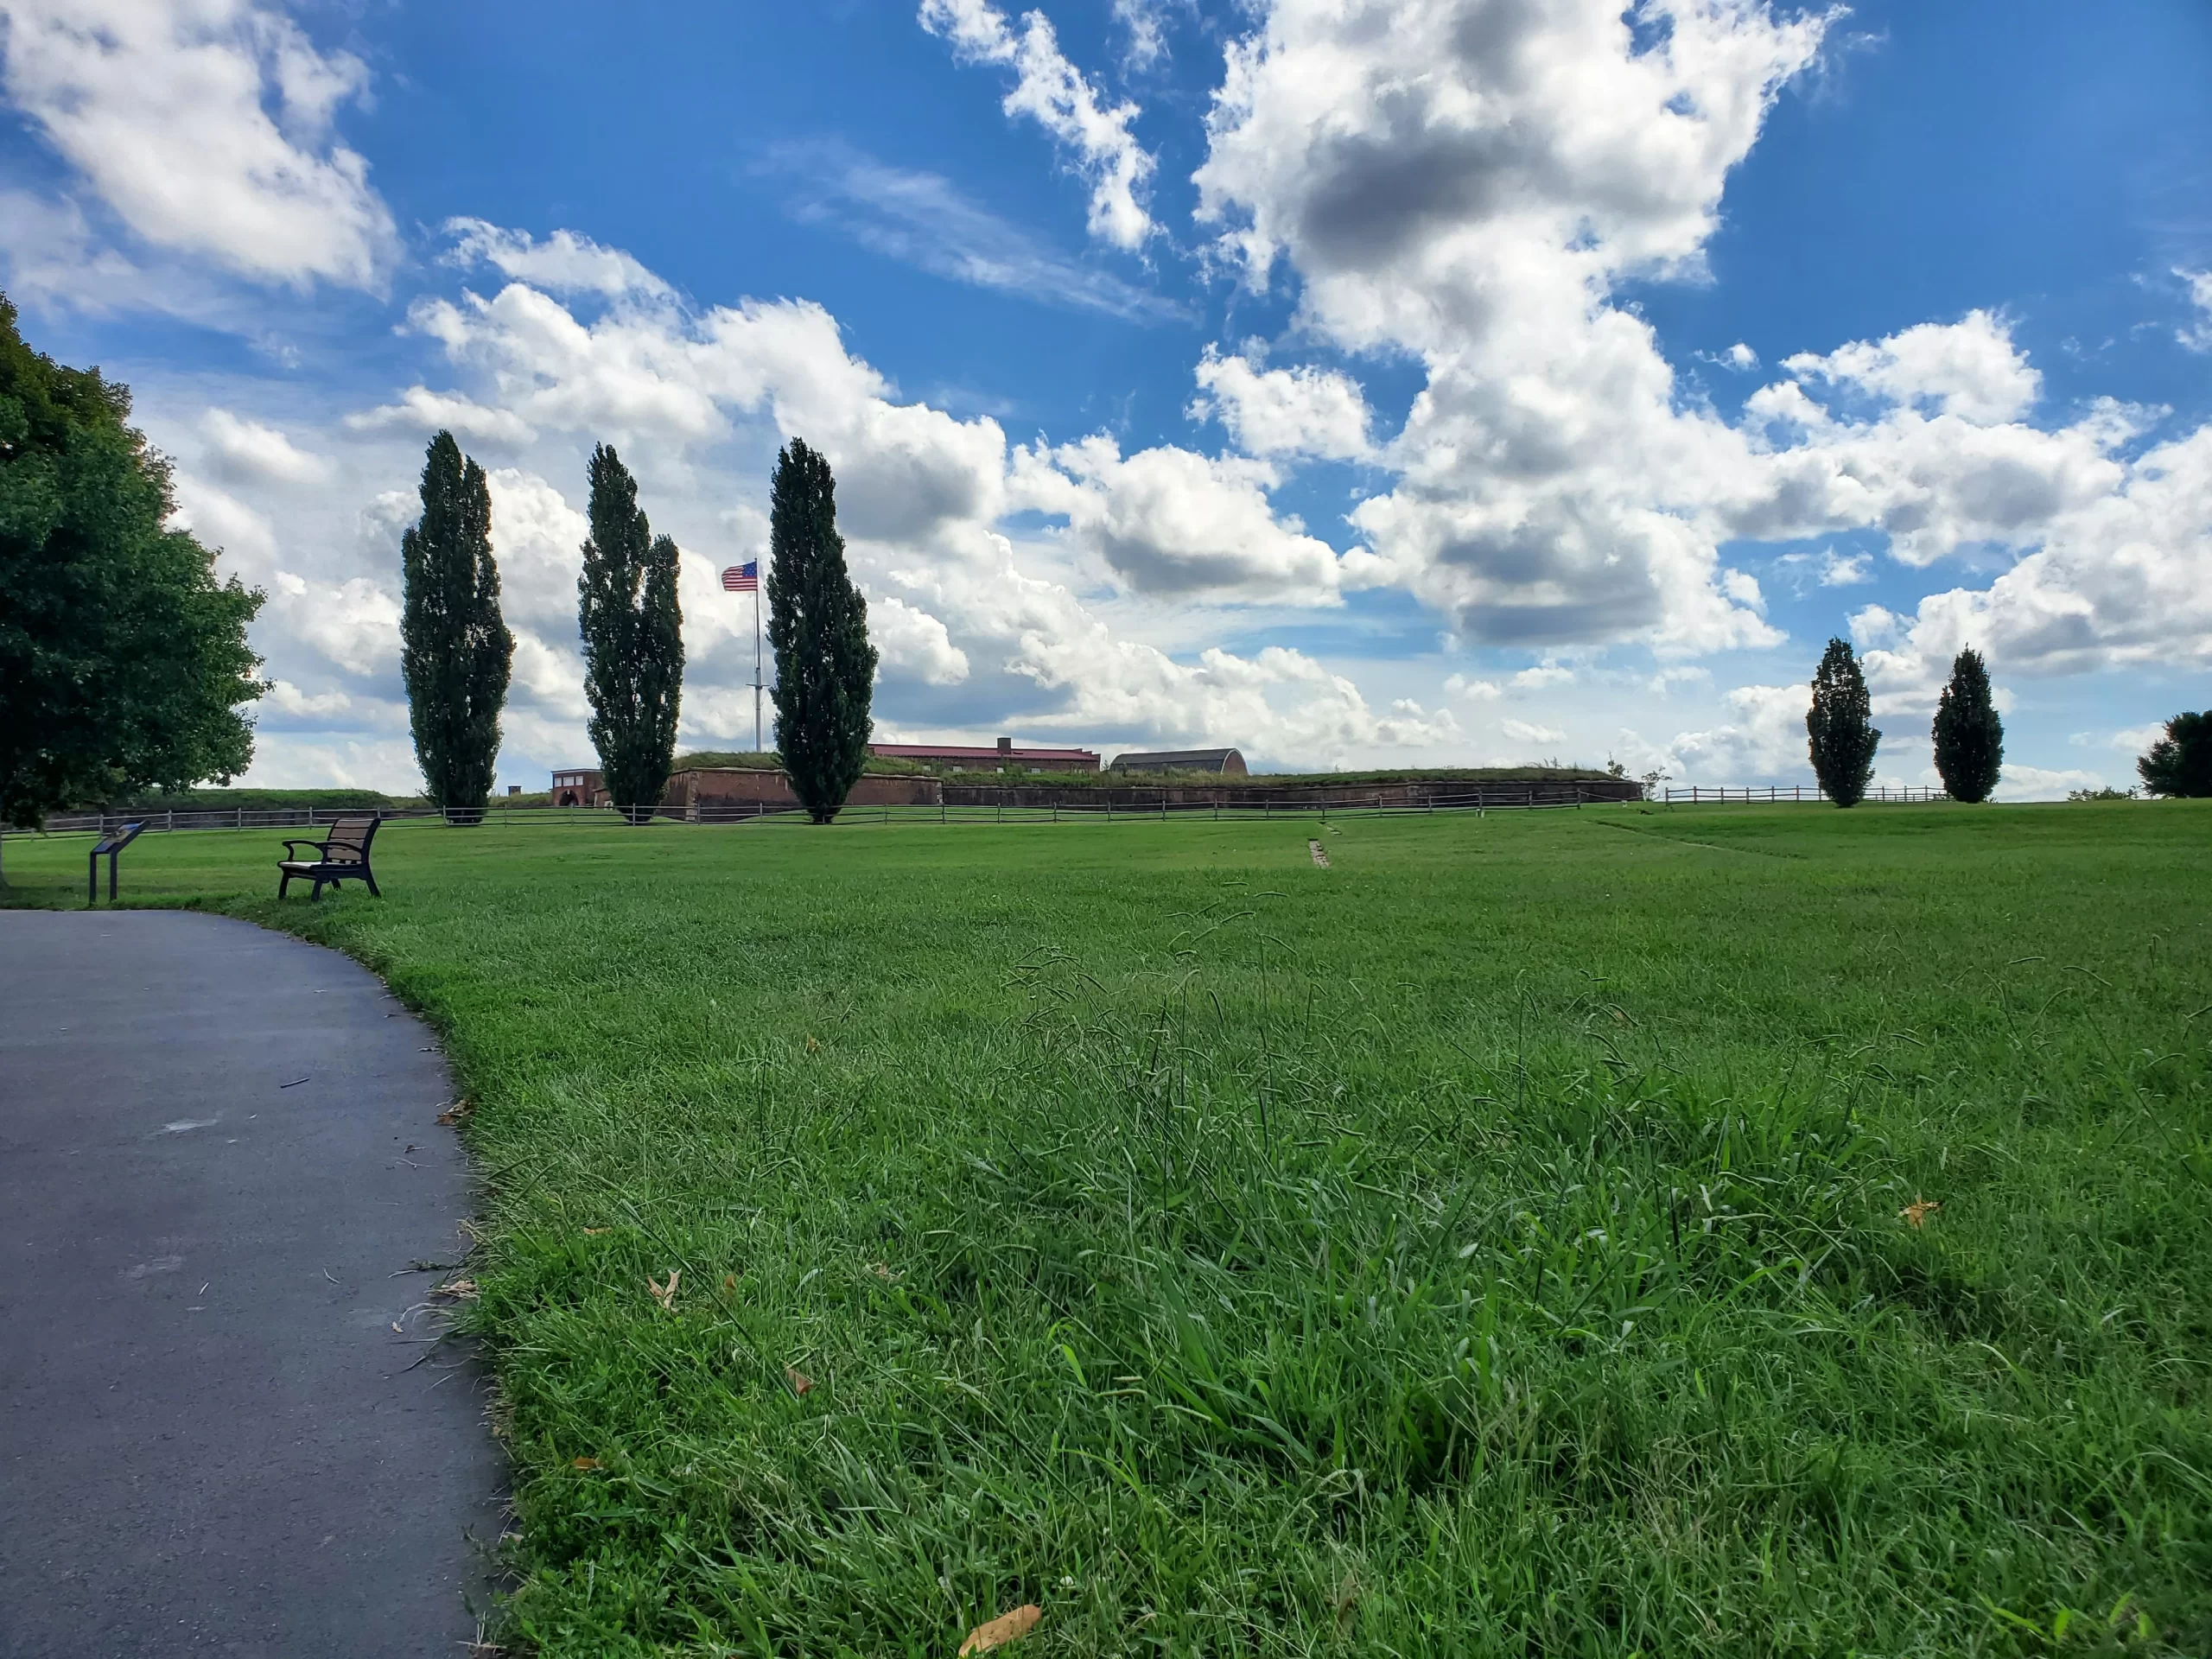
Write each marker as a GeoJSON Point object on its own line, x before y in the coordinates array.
{"type": "Point", "coordinates": [318, 845]}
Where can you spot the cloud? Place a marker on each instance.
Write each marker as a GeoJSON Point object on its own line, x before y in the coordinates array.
{"type": "Point", "coordinates": [1933, 481]}
{"type": "Point", "coordinates": [1301, 411]}
{"type": "Point", "coordinates": [1830, 568]}
{"type": "Point", "coordinates": [295, 761]}
{"type": "Point", "coordinates": [285, 699]}
{"type": "Point", "coordinates": [1543, 677]}
{"type": "Point", "coordinates": [922, 219]}
{"type": "Point", "coordinates": [2118, 582]}
{"type": "Point", "coordinates": [421, 409]}
{"type": "Point", "coordinates": [225, 523]}
{"type": "Point", "coordinates": [1466, 185]}
{"type": "Point", "coordinates": [1522, 731]}
{"type": "Point", "coordinates": [2020, 783]}
{"type": "Point", "coordinates": [1763, 742]}
{"type": "Point", "coordinates": [914, 644]}
{"type": "Point", "coordinates": [2197, 336]}
{"type": "Point", "coordinates": [1053, 93]}
{"type": "Point", "coordinates": [1970, 369]}
{"type": "Point", "coordinates": [1145, 22]}
{"type": "Point", "coordinates": [537, 538]}
{"type": "Point", "coordinates": [1471, 186]}
{"type": "Point", "coordinates": [564, 262]}
{"type": "Point", "coordinates": [1171, 521]}
{"type": "Point", "coordinates": [205, 125]}
{"type": "Point", "coordinates": [353, 625]}
{"type": "Point", "coordinates": [2134, 739]}
{"type": "Point", "coordinates": [243, 451]}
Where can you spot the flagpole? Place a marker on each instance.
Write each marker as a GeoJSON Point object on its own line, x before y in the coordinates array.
{"type": "Point", "coordinates": [760, 745]}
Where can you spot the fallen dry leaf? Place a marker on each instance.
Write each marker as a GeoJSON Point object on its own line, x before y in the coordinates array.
{"type": "Point", "coordinates": [664, 1295]}
{"type": "Point", "coordinates": [729, 1281]}
{"type": "Point", "coordinates": [1918, 1211]}
{"type": "Point", "coordinates": [456, 1112]}
{"type": "Point", "coordinates": [460, 1289]}
{"type": "Point", "coordinates": [587, 1463]}
{"type": "Point", "coordinates": [813, 1047]}
{"type": "Point", "coordinates": [1347, 1604]}
{"type": "Point", "coordinates": [883, 1271]}
{"type": "Point", "coordinates": [800, 1381]}
{"type": "Point", "coordinates": [594, 1232]}
{"type": "Point", "coordinates": [1007, 1627]}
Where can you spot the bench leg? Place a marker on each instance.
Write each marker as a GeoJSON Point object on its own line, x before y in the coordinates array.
{"type": "Point", "coordinates": [316, 896]}
{"type": "Point", "coordinates": [372, 880]}
{"type": "Point", "coordinates": [283, 883]}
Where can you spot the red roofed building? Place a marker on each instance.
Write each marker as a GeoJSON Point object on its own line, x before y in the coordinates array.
{"type": "Point", "coordinates": [962, 758]}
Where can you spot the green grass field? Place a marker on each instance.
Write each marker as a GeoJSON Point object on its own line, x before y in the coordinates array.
{"type": "Point", "coordinates": [1489, 1244]}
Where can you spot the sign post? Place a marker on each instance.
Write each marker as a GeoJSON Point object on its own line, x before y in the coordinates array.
{"type": "Point", "coordinates": [110, 845]}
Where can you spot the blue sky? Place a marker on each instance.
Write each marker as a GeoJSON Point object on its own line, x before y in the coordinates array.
{"type": "Point", "coordinates": [1512, 381]}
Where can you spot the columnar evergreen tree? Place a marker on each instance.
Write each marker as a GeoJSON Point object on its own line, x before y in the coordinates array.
{"type": "Point", "coordinates": [124, 662]}
{"type": "Point", "coordinates": [1840, 726]}
{"type": "Point", "coordinates": [1969, 737]}
{"type": "Point", "coordinates": [456, 652]}
{"type": "Point", "coordinates": [633, 640]}
{"type": "Point", "coordinates": [2180, 763]}
{"type": "Point", "coordinates": [817, 624]}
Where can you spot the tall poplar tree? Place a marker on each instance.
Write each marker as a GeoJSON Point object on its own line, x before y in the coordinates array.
{"type": "Point", "coordinates": [456, 652]}
{"type": "Point", "coordinates": [633, 640]}
{"type": "Point", "coordinates": [817, 624]}
{"type": "Point", "coordinates": [1840, 726]}
{"type": "Point", "coordinates": [1969, 737]}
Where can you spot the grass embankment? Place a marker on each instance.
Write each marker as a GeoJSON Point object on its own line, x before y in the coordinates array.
{"type": "Point", "coordinates": [251, 800]}
{"type": "Point", "coordinates": [897, 767]}
{"type": "Point", "coordinates": [1489, 1244]}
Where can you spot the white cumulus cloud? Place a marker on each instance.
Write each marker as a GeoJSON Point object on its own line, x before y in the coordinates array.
{"type": "Point", "coordinates": [1298, 411]}
{"type": "Point", "coordinates": [206, 126]}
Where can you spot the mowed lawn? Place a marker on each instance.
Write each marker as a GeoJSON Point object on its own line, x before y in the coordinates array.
{"type": "Point", "coordinates": [1625, 1231]}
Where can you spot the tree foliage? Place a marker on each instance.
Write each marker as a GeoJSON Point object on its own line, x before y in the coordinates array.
{"type": "Point", "coordinates": [1969, 737]}
{"type": "Point", "coordinates": [633, 640]}
{"type": "Point", "coordinates": [1840, 726]}
{"type": "Point", "coordinates": [456, 652]}
{"type": "Point", "coordinates": [2179, 764]}
{"type": "Point", "coordinates": [817, 626]}
{"type": "Point", "coordinates": [124, 662]}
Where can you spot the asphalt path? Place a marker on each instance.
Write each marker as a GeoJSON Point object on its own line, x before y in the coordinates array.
{"type": "Point", "coordinates": [228, 1427]}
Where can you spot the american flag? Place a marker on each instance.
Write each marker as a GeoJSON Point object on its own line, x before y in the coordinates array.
{"type": "Point", "coordinates": [742, 578]}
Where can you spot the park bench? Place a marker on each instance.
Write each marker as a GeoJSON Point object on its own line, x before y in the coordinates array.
{"type": "Point", "coordinates": [343, 857]}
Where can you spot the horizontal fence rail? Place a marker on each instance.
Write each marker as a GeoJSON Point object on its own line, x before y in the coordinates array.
{"type": "Point", "coordinates": [1121, 805]}
{"type": "Point", "coordinates": [1698, 793]}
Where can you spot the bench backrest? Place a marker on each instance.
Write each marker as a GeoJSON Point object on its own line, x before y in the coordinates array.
{"type": "Point", "coordinates": [357, 833]}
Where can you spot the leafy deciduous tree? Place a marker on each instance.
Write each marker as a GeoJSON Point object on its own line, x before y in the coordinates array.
{"type": "Point", "coordinates": [2179, 764]}
{"type": "Point", "coordinates": [1840, 726]}
{"type": "Point", "coordinates": [124, 662]}
{"type": "Point", "coordinates": [456, 652]}
{"type": "Point", "coordinates": [1969, 737]}
{"type": "Point", "coordinates": [817, 624]}
{"type": "Point", "coordinates": [633, 640]}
